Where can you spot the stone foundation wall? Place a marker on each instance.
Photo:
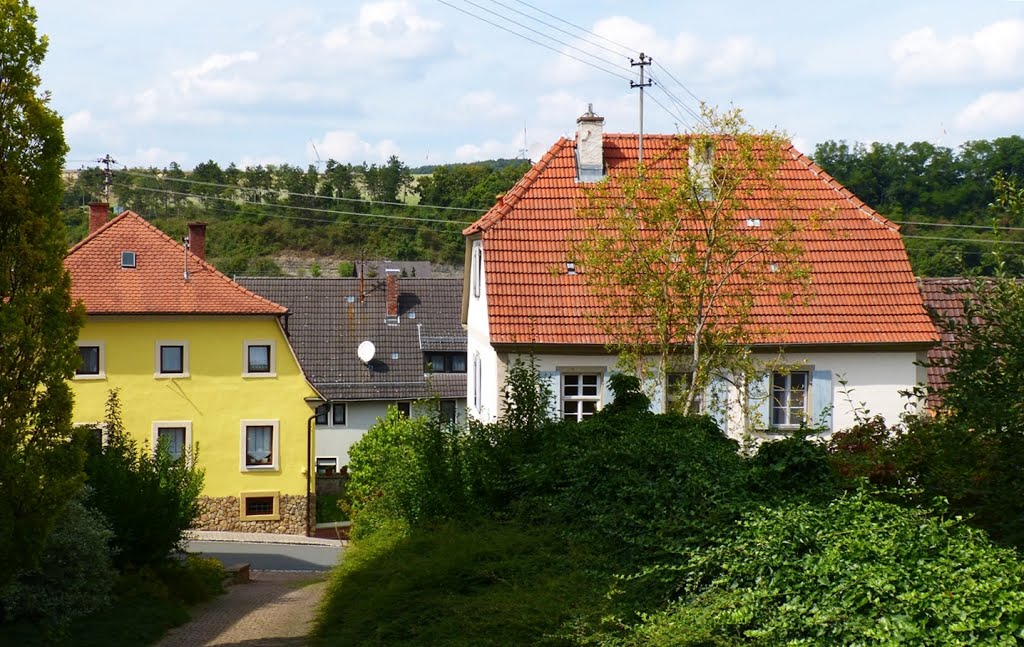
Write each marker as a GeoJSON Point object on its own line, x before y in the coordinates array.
{"type": "Point", "coordinates": [222, 513]}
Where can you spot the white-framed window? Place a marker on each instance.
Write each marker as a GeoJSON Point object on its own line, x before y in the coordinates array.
{"type": "Point", "coordinates": [171, 359]}
{"type": "Point", "coordinates": [448, 412]}
{"type": "Point", "coordinates": [444, 363]}
{"type": "Point", "coordinates": [98, 431]}
{"type": "Point", "coordinates": [477, 267]}
{"type": "Point", "coordinates": [178, 435]}
{"type": "Point", "coordinates": [259, 506]}
{"type": "Point", "coordinates": [581, 394]}
{"type": "Point", "coordinates": [94, 361]}
{"type": "Point", "coordinates": [128, 260]}
{"type": "Point", "coordinates": [259, 358]}
{"type": "Point", "coordinates": [789, 399]}
{"type": "Point", "coordinates": [326, 465]}
{"type": "Point", "coordinates": [676, 384]}
{"type": "Point", "coordinates": [261, 445]}
{"type": "Point", "coordinates": [404, 408]}
{"type": "Point", "coordinates": [322, 414]}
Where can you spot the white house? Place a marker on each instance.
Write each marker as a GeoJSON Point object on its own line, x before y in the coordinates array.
{"type": "Point", "coordinates": [852, 343]}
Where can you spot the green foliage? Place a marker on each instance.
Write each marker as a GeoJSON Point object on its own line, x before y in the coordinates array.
{"type": "Point", "coordinates": [791, 466]}
{"type": "Point", "coordinates": [74, 575]}
{"type": "Point", "coordinates": [329, 508]}
{"type": "Point", "coordinates": [406, 469]}
{"type": "Point", "coordinates": [485, 584]}
{"type": "Point", "coordinates": [40, 468]}
{"type": "Point", "coordinates": [149, 498]}
{"type": "Point", "coordinates": [855, 571]}
{"type": "Point", "coordinates": [921, 182]}
{"type": "Point", "coordinates": [193, 580]}
{"type": "Point", "coordinates": [863, 452]}
{"type": "Point", "coordinates": [346, 269]}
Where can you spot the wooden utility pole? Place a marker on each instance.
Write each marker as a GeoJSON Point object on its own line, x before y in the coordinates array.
{"type": "Point", "coordinates": [642, 63]}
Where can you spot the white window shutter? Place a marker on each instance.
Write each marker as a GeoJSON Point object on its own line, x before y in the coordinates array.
{"type": "Point", "coordinates": [716, 402]}
{"type": "Point", "coordinates": [759, 401]}
{"type": "Point", "coordinates": [553, 379]}
{"type": "Point", "coordinates": [821, 400]}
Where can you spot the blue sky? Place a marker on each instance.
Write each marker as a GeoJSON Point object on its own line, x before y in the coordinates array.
{"type": "Point", "coordinates": [264, 81]}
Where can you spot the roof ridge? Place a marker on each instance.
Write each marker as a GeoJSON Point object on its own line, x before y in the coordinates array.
{"type": "Point", "coordinates": [845, 193]}
{"type": "Point", "coordinates": [508, 201]}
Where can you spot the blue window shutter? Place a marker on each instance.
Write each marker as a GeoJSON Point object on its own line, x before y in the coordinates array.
{"type": "Point", "coordinates": [821, 400]}
{"type": "Point", "coordinates": [553, 380]}
{"type": "Point", "coordinates": [716, 402]}
{"type": "Point", "coordinates": [759, 401]}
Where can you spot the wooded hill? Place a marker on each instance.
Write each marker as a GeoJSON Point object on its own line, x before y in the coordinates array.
{"type": "Point", "coordinates": [943, 199]}
{"type": "Point", "coordinates": [342, 211]}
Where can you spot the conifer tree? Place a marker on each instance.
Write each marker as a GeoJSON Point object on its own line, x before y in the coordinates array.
{"type": "Point", "coordinates": [40, 468]}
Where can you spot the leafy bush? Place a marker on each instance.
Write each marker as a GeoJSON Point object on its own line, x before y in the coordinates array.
{"type": "Point", "coordinates": [193, 580]}
{"type": "Point", "coordinates": [864, 452]}
{"type": "Point", "coordinates": [149, 498]}
{"type": "Point", "coordinates": [407, 469]}
{"type": "Point", "coordinates": [485, 584]}
{"type": "Point", "coordinates": [795, 465]}
{"type": "Point", "coordinates": [854, 571]}
{"type": "Point", "coordinates": [74, 575]}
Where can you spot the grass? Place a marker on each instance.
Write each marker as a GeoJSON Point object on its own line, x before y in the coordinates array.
{"type": "Point", "coordinates": [492, 584]}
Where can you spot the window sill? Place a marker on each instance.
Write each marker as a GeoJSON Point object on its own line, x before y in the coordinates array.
{"type": "Point", "coordinates": [259, 375]}
{"type": "Point", "coordinates": [260, 468]}
{"type": "Point", "coordinates": [87, 377]}
{"type": "Point", "coordinates": [169, 376]}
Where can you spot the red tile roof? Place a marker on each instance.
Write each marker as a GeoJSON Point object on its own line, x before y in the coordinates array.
{"type": "Point", "coordinates": [944, 298]}
{"type": "Point", "coordinates": [156, 285]}
{"type": "Point", "coordinates": [862, 288]}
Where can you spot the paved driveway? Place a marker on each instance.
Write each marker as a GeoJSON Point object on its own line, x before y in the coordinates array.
{"type": "Point", "coordinates": [270, 557]}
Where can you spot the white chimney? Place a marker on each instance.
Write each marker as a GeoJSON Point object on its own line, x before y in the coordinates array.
{"type": "Point", "coordinates": [589, 146]}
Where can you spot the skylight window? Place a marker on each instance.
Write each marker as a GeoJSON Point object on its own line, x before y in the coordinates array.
{"type": "Point", "coordinates": [128, 259]}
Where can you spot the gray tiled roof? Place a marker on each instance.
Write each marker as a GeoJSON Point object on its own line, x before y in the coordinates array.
{"type": "Point", "coordinates": [328, 320]}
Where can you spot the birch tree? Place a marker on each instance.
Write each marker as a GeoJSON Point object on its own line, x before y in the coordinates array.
{"type": "Point", "coordinates": [680, 250]}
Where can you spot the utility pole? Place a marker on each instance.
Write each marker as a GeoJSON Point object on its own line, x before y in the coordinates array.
{"type": "Point", "coordinates": [642, 63]}
{"type": "Point", "coordinates": [108, 174]}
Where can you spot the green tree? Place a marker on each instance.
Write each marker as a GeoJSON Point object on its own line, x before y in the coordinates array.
{"type": "Point", "coordinates": [668, 253]}
{"type": "Point", "coordinates": [40, 466]}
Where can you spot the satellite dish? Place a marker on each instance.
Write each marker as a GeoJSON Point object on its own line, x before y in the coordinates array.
{"type": "Point", "coordinates": [365, 351]}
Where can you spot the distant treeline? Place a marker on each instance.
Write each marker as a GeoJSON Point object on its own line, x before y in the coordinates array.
{"type": "Point", "coordinates": [951, 190]}
{"type": "Point", "coordinates": [343, 210]}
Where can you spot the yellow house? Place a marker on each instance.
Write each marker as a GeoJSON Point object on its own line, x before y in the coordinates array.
{"type": "Point", "coordinates": [197, 359]}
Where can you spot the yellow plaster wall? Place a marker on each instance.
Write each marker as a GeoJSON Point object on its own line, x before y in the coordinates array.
{"type": "Point", "coordinates": [215, 396]}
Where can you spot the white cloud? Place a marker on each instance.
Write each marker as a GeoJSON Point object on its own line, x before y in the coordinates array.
{"type": "Point", "coordinates": [482, 105]}
{"type": "Point", "coordinates": [260, 160]}
{"type": "Point", "coordinates": [156, 157]}
{"type": "Point", "coordinates": [994, 112]}
{"type": "Point", "coordinates": [347, 146]}
{"type": "Point", "coordinates": [386, 31]}
{"type": "Point", "coordinates": [995, 52]}
{"type": "Point", "coordinates": [79, 123]}
{"type": "Point", "coordinates": [489, 149]}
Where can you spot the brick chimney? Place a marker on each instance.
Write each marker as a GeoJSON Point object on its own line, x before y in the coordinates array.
{"type": "Point", "coordinates": [391, 292]}
{"type": "Point", "coordinates": [98, 212]}
{"type": "Point", "coordinates": [589, 146]}
{"type": "Point", "coordinates": [197, 239]}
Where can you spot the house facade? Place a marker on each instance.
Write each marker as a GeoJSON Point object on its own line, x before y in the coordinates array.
{"type": "Point", "coordinates": [197, 360]}
{"type": "Point", "coordinates": [373, 343]}
{"type": "Point", "coordinates": [848, 347]}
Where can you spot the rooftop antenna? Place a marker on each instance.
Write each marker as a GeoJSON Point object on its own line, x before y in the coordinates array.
{"type": "Point", "coordinates": [108, 174]}
{"type": "Point", "coordinates": [642, 63]}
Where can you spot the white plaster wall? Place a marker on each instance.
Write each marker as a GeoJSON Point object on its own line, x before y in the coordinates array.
{"type": "Point", "coordinates": [334, 442]}
{"type": "Point", "coordinates": [872, 377]}
{"type": "Point", "coordinates": [478, 342]}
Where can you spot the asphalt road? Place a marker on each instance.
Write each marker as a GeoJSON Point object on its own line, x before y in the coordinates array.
{"type": "Point", "coordinates": [270, 557]}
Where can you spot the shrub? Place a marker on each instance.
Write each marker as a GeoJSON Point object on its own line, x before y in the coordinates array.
{"type": "Point", "coordinates": [149, 498]}
{"type": "Point", "coordinates": [194, 579]}
{"type": "Point", "coordinates": [407, 469]}
{"type": "Point", "coordinates": [74, 575]}
{"type": "Point", "coordinates": [864, 452]}
{"type": "Point", "coordinates": [854, 571]}
{"type": "Point", "coordinates": [793, 466]}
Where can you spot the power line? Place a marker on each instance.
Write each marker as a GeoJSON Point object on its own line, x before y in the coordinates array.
{"type": "Point", "coordinates": [575, 26]}
{"type": "Point", "coordinates": [957, 226]}
{"type": "Point", "coordinates": [559, 29]}
{"type": "Point", "coordinates": [536, 42]}
{"type": "Point", "coordinates": [967, 240]}
{"type": "Point", "coordinates": [300, 195]}
{"type": "Point", "coordinates": [311, 209]}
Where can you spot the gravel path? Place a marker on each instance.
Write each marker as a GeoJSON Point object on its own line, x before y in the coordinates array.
{"type": "Point", "coordinates": [275, 608]}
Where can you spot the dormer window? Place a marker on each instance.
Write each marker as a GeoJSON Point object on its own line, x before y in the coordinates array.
{"type": "Point", "coordinates": [128, 260]}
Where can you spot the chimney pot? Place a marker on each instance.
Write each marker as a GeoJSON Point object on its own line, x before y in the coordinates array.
{"type": "Point", "coordinates": [197, 239]}
{"type": "Point", "coordinates": [590, 146]}
{"type": "Point", "coordinates": [391, 291]}
{"type": "Point", "coordinates": [98, 212]}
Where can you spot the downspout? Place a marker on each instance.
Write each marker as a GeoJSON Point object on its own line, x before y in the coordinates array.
{"type": "Point", "coordinates": [309, 471]}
